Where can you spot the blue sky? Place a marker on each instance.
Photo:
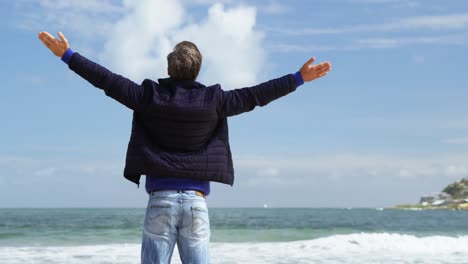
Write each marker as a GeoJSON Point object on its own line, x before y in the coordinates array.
{"type": "Point", "coordinates": [386, 126]}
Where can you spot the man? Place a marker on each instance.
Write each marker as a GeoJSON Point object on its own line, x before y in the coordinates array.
{"type": "Point", "coordinates": [179, 140]}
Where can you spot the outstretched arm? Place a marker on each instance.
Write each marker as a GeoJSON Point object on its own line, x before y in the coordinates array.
{"type": "Point", "coordinates": [238, 101]}
{"type": "Point", "coordinates": [118, 87]}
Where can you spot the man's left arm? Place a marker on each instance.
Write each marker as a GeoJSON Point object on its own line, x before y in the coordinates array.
{"type": "Point", "coordinates": [238, 101]}
{"type": "Point", "coordinates": [243, 100]}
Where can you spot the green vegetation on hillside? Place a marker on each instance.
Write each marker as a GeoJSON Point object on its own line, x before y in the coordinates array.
{"type": "Point", "coordinates": [458, 190]}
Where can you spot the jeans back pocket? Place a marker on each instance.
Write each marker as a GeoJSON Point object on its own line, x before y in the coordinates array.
{"type": "Point", "coordinates": [200, 222]}
{"type": "Point", "coordinates": [158, 218]}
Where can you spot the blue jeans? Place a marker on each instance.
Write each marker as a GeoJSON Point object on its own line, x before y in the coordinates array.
{"type": "Point", "coordinates": [171, 217]}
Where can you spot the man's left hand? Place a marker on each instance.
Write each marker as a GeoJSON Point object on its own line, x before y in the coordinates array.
{"type": "Point", "coordinates": [58, 47]}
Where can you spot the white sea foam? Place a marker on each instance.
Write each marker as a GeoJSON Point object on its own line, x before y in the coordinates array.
{"type": "Point", "coordinates": [353, 248]}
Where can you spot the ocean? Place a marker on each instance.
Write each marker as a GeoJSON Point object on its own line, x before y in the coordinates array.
{"type": "Point", "coordinates": [262, 235]}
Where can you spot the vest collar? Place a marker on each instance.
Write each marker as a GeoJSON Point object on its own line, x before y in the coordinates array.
{"type": "Point", "coordinates": [186, 84]}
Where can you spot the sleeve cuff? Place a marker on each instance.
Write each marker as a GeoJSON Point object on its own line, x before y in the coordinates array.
{"type": "Point", "coordinates": [67, 55]}
{"type": "Point", "coordinates": [298, 78]}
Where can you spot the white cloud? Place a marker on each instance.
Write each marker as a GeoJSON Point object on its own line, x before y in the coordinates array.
{"type": "Point", "coordinates": [347, 179]}
{"type": "Point", "coordinates": [357, 165]}
{"type": "Point", "coordinates": [339, 165]}
{"type": "Point", "coordinates": [233, 50]}
{"type": "Point", "coordinates": [375, 43]}
{"type": "Point", "coordinates": [456, 170]}
{"type": "Point", "coordinates": [456, 141]}
{"type": "Point", "coordinates": [436, 22]}
{"type": "Point", "coordinates": [231, 47]}
{"type": "Point", "coordinates": [45, 172]}
{"type": "Point", "coordinates": [87, 18]}
{"type": "Point", "coordinates": [271, 8]}
{"type": "Point", "coordinates": [137, 41]}
{"type": "Point", "coordinates": [207, 2]}
{"type": "Point", "coordinates": [284, 47]}
{"type": "Point", "coordinates": [378, 1]}
{"type": "Point", "coordinates": [399, 3]}
{"type": "Point", "coordinates": [268, 172]}
{"type": "Point", "coordinates": [101, 6]}
{"type": "Point", "coordinates": [334, 180]}
{"type": "Point", "coordinates": [383, 43]}
{"type": "Point", "coordinates": [429, 121]}
{"type": "Point", "coordinates": [453, 21]}
{"type": "Point", "coordinates": [274, 8]}
{"type": "Point", "coordinates": [272, 176]}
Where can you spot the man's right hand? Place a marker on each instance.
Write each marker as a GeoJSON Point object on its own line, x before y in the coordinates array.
{"type": "Point", "coordinates": [58, 47]}
{"type": "Point", "coordinates": [311, 72]}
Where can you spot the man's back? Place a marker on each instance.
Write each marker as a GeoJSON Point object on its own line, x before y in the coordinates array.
{"type": "Point", "coordinates": [181, 116]}
{"type": "Point", "coordinates": [208, 156]}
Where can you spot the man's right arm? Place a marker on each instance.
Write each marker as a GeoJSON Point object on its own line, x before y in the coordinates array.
{"type": "Point", "coordinates": [123, 90]}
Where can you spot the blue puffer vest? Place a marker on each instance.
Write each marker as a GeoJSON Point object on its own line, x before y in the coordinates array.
{"type": "Point", "coordinates": [180, 128]}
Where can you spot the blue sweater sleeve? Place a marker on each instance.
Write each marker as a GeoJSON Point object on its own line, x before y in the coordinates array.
{"type": "Point", "coordinates": [242, 100]}
{"type": "Point", "coordinates": [67, 55]}
{"type": "Point", "coordinates": [123, 90]}
{"type": "Point", "coordinates": [298, 78]}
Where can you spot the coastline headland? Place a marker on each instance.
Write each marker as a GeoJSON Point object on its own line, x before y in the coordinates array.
{"type": "Point", "coordinates": [453, 197]}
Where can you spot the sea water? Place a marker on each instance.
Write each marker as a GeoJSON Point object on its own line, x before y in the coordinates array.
{"type": "Point", "coordinates": [265, 235]}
